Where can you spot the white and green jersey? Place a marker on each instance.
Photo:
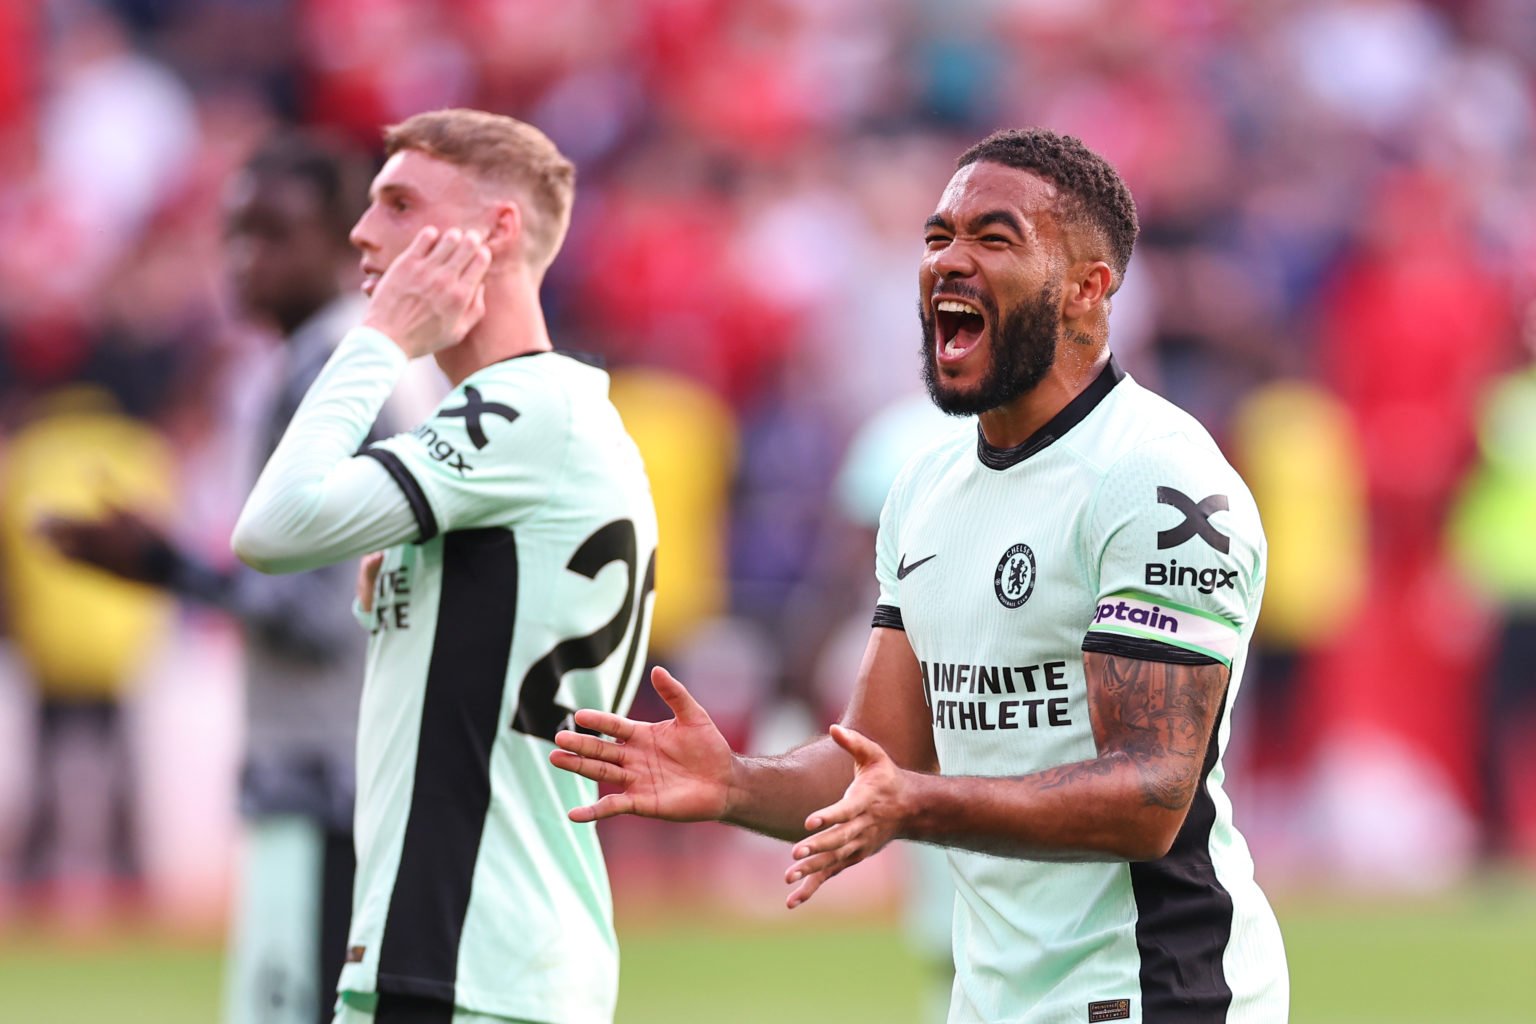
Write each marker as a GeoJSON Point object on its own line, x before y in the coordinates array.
{"type": "Point", "coordinates": [1118, 527]}
{"type": "Point", "coordinates": [520, 560]}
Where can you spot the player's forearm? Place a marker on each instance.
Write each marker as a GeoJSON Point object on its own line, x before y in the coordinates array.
{"type": "Point", "coordinates": [278, 530]}
{"type": "Point", "coordinates": [774, 795]}
{"type": "Point", "coordinates": [1103, 809]}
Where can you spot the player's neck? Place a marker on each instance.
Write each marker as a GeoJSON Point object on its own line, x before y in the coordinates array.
{"type": "Point", "coordinates": [513, 325]}
{"type": "Point", "coordinates": [1075, 368]}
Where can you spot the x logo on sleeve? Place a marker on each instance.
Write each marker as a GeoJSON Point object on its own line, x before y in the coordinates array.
{"type": "Point", "coordinates": [473, 408]}
{"type": "Point", "coordinates": [1197, 520]}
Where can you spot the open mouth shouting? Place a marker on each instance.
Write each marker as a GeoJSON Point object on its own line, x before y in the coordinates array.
{"type": "Point", "coordinates": [959, 326]}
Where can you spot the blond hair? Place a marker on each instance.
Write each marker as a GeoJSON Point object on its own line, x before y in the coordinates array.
{"type": "Point", "coordinates": [501, 150]}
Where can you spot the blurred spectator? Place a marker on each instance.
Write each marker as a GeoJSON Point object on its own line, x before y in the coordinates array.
{"type": "Point", "coordinates": [687, 437]}
{"type": "Point", "coordinates": [117, 128]}
{"type": "Point", "coordinates": [289, 214]}
{"type": "Point", "coordinates": [1491, 536]}
{"type": "Point", "coordinates": [1336, 194]}
{"type": "Point", "coordinates": [83, 638]}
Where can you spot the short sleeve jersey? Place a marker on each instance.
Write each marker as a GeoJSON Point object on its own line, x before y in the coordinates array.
{"type": "Point", "coordinates": [1118, 527]}
{"type": "Point", "coordinates": [527, 594]}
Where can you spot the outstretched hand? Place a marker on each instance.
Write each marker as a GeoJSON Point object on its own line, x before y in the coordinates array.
{"type": "Point", "coordinates": [121, 542]}
{"type": "Point", "coordinates": [679, 770]}
{"type": "Point", "coordinates": [870, 814]}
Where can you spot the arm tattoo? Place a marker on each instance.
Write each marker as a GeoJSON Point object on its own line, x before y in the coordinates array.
{"type": "Point", "coordinates": [1158, 716]}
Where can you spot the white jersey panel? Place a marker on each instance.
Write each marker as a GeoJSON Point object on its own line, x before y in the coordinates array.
{"type": "Point", "coordinates": [527, 595]}
{"type": "Point", "coordinates": [1001, 567]}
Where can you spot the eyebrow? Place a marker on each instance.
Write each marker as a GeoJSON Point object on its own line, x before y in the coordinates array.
{"type": "Point", "coordinates": [389, 189]}
{"type": "Point", "coordinates": [1007, 218]}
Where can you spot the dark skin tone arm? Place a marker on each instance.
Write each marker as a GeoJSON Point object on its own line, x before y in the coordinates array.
{"type": "Point", "coordinates": [1151, 722]}
{"type": "Point", "coordinates": [683, 770]}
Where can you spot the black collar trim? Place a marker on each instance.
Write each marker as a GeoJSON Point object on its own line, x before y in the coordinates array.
{"type": "Point", "coordinates": [590, 358]}
{"type": "Point", "coordinates": [1070, 416]}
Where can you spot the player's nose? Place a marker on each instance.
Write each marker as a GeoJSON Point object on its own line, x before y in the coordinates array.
{"type": "Point", "coordinates": [358, 236]}
{"type": "Point", "coordinates": [952, 261]}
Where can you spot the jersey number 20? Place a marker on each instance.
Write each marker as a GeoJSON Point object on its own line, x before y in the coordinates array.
{"type": "Point", "coordinates": [538, 713]}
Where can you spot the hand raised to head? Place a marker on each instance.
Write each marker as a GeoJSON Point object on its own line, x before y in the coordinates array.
{"type": "Point", "coordinates": [433, 294]}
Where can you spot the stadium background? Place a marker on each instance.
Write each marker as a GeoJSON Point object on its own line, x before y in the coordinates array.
{"type": "Point", "coordinates": [1335, 273]}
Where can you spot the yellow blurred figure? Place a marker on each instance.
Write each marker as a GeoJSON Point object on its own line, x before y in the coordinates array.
{"type": "Point", "coordinates": [1492, 537]}
{"type": "Point", "coordinates": [687, 437]}
{"type": "Point", "coordinates": [1297, 451]}
{"type": "Point", "coordinates": [82, 633]}
{"type": "Point", "coordinates": [1296, 447]}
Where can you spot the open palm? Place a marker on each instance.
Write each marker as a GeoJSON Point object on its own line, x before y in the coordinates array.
{"type": "Point", "coordinates": [678, 770]}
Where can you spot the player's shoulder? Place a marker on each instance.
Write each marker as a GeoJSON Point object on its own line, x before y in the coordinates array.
{"type": "Point", "coordinates": [951, 446]}
{"type": "Point", "coordinates": [1142, 434]}
{"type": "Point", "coordinates": [538, 378]}
{"type": "Point", "coordinates": [1158, 464]}
{"type": "Point", "coordinates": [543, 390]}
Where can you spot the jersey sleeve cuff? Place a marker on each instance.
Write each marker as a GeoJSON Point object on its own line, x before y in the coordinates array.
{"type": "Point", "coordinates": [367, 620]}
{"type": "Point", "coordinates": [426, 520]}
{"type": "Point", "coordinates": [888, 616]}
{"type": "Point", "coordinates": [1145, 650]}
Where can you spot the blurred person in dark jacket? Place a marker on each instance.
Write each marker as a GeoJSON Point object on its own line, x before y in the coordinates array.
{"type": "Point", "coordinates": [287, 221]}
{"type": "Point", "coordinates": [1491, 542]}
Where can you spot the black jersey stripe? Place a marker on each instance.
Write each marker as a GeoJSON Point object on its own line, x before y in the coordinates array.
{"type": "Point", "coordinates": [1144, 649]}
{"type": "Point", "coordinates": [1184, 918]}
{"type": "Point", "coordinates": [397, 1009]}
{"type": "Point", "coordinates": [452, 792]}
{"type": "Point", "coordinates": [338, 869]}
{"type": "Point", "coordinates": [426, 522]}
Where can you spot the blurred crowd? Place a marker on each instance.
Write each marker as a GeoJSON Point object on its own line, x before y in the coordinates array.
{"type": "Point", "coordinates": [1336, 273]}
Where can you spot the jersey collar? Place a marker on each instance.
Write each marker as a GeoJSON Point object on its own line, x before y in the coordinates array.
{"type": "Point", "coordinates": [590, 358]}
{"type": "Point", "coordinates": [1074, 413]}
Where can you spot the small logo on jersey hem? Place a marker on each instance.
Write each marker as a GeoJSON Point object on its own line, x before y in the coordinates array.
{"type": "Point", "coordinates": [903, 569]}
{"type": "Point", "coordinates": [1109, 1009]}
{"type": "Point", "coordinates": [1014, 580]}
{"type": "Point", "coordinates": [355, 954]}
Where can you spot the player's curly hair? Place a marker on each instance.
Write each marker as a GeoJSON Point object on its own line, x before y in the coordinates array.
{"type": "Point", "coordinates": [1093, 192]}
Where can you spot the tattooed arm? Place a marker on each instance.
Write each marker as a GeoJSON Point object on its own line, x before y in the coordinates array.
{"type": "Point", "coordinates": [1152, 724]}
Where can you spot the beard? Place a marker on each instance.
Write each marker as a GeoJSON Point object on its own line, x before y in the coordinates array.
{"type": "Point", "coordinates": [1023, 350]}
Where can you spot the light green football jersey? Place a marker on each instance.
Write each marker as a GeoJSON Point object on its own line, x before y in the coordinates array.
{"type": "Point", "coordinates": [1117, 527]}
{"type": "Point", "coordinates": [526, 595]}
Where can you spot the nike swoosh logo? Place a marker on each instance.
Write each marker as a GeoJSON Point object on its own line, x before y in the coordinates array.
{"type": "Point", "coordinates": [904, 569]}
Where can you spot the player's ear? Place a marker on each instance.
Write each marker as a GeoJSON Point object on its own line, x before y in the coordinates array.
{"type": "Point", "coordinates": [1087, 288]}
{"type": "Point", "coordinates": [506, 234]}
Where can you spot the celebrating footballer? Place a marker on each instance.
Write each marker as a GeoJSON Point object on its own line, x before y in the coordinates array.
{"type": "Point", "coordinates": [1046, 692]}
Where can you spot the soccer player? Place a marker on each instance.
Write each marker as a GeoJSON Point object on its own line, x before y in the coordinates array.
{"type": "Point", "coordinates": [1065, 604]}
{"type": "Point", "coordinates": [287, 220]}
{"type": "Point", "coordinates": [519, 544]}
